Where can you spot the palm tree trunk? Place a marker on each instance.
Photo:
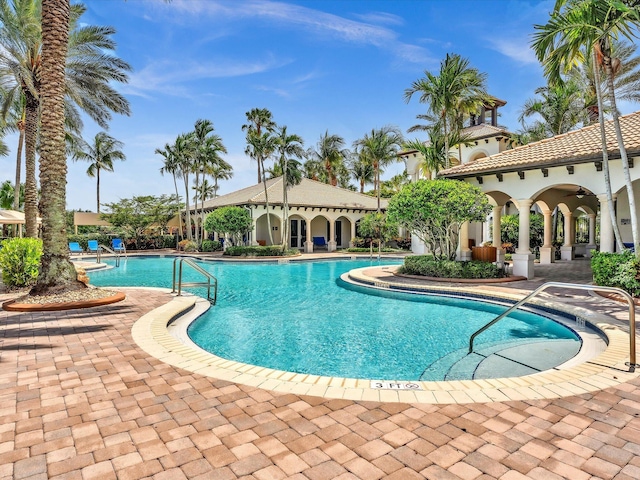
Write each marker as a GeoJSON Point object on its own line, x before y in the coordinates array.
{"type": "Point", "coordinates": [16, 188]}
{"type": "Point", "coordinates": [57, 273]}
{"type": "Point", "coordinates": [605, 156]}
{"type": "Point", "coordinates": [175, 184]}
{"type": "Point", "coordinates": [30, 187]}
{"type": "Point", "coordinates": [624, 158]}
{"type": "Point", "coordinates": [377, 167]}
{"type": "Point", "coordinates": [98, 190]}
{"type": "Point", "coordinates": [266, 201]}
{"type": "Point", "coordinates": [185, 176]}
{"type": "Point", "coordinates": [195, 203]}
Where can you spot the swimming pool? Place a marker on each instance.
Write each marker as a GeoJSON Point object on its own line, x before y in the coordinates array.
{"type": "Point", "coordinates": [299, 317]}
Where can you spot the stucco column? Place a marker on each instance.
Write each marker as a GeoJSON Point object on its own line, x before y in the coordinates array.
{"type": "Point", "coordinates": [567, 250]}
{"type": "Point", "coordinates": [523, 258]}
{"type": "Point", "coordinates": [497, 232]}
{"type": "Point", "coordinates": [547, 251]}
{"type": "Point", "coordinates": [464, 252]}
{"type": "Point", "coordinates": [591, 245]}
{"type": "Point", "coordinates": [308, 244]}
{"type": "Point", "coordinates": [607, 239]}
{"type": "Point", "coordinates": [254, 231]}
{"type": "Point", "coordinates": [331, 243]}
{"type": "Point", "coordinates": [353, 233]}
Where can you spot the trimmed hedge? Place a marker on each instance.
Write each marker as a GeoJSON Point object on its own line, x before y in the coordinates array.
{"type": "Point", "coordinates": [259, 251]}
{"type": "Point", "coordinates": [620, 270]}
{"type": "Point", "coordinates": [211, 246]}
{"type": "Point", "coordinates": [428, 266]}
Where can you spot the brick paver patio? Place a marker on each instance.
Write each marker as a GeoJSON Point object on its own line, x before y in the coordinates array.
{"type": "Point", "coordinates": [80, 400]}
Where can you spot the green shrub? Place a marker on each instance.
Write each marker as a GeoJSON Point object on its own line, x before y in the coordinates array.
{"type": "Point", "coordinates": [428, 266]}
{"type": "Point", "coordinates": [20, 261]}
{"type": "Point", "coordinates": [367, 250]}
{"type": "Point", "coordinates": [259, 251]}
{"type": "Point", "coordinates": [188, 246]}
{"type": "Point", "coordinates": [619, 270]}
{"type": "Point", "coordinates": [211, 246]}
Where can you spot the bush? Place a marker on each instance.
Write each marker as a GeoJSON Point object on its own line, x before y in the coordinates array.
{"type": "Point", "coordinates": [211, 246]}
{"type": "Point", "coordinates": [259, 251]}
{"type": "Point", "coordinates": [368, 250]}
{"type": "Point", "coordinates": [619, 270]}
{"type": "Point", "coordinates": [187, 246]}
{"type": "Point", "coordinates": [20, 261]}
{"type": "Point", "coordinates": [428, 266]}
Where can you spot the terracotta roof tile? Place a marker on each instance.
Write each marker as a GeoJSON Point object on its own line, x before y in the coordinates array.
{"type": "Point", "coordinates": [573, 147]}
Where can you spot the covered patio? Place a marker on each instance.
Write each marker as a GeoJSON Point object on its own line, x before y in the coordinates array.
{"type": "Point", "coordinates": [321, 216]}
{"type": "Point", "coordinates": [565, 173]}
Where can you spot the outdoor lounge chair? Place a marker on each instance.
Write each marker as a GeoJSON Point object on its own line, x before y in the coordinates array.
{"type": "Point", "coordinates": [319, 242]}
{"type": "Point", "coordinates": [118, 245]}
{"type": "Point", "coordinates": [74, 247]}
{"type": "Point", "coordinates": [92, 246]}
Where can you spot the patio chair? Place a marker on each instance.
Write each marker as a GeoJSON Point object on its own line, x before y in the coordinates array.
{"type": "Point", "coordinates": [92, 246]}
{"type": "Point", "coordinates": [319, 242]}
{"type": "Point", "coordinates": [74, 247]}
{"type": "Point", "coordinates": [118, 245]}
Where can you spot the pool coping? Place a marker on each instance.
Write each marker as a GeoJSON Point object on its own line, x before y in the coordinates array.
{"type": "Point", "coordinates": [152, 333]}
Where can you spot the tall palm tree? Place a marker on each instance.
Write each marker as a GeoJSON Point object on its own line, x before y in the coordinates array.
{"type": "Point", "coordinates": [182, 149]}
{"type": "Point", "coordinates": [381, 146]}
{"type": "Point", "coordinates": [456, 90]}
{"type": "Point", "coordinates": [171, 166]}
{"type": "Point", "coordinates": [361, 168]}
{"type": "Point", "coordinates": [330, 151]}
{"type": "Point", "coordinates": [6, 195]}
{"type": "Point", "coordinates": [56, 273]}
{"type": "Point", "coordinates": [86, 81]}
{"type": "Point", "coordinates": [288, 148]}
{"type": "Point", "coordinates": [100, 155]}
{"type": "Point", "coordinates": [262, 147]}
{"type": "Point", "coordinates": [258, 119]}
{"type": "Point", "coordinates": [579, 27]}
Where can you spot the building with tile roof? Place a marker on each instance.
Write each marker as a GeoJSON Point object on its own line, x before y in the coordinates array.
{"type": "Point", "coordinates": [316, 211]}
{"type": "Point", "coordinates": [564, 172]}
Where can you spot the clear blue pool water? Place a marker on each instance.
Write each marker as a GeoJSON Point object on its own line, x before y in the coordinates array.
{"type": "Point", "coordinates": [299, 317]}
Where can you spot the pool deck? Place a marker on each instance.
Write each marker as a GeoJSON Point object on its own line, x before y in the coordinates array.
{"type": "Point", "coordinates": [79, 399]}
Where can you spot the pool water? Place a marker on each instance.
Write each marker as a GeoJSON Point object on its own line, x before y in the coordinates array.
{"type": "Point", "coordinates": [300, 317]}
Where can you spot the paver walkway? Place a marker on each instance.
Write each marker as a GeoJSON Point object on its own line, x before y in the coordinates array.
{"type": "Point", "coordinates": [79, 400]}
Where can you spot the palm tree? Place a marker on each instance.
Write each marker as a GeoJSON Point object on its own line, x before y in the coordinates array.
{"type": "Point", "coordinates": [258, 119]}
{"type": "Point", "coordinates": [381, 146]}
{"type": "Point", "coordinates": [457, 89]}
{"type": "Point", "coordinates": [262, 147]}
{"type": "Point", "coordinates": [330, 151]}
{"type": "Point", "coordinates": [86, 81]}
{"type": "Point", "coordinates": [561, 109]}
{"type": "Point", "coordinates": [577, 27]}
{"type": "Point", "coordinates": [182, 149]}
{"type": "Point", "coordinates": [171, 166]}
{"type": "Point", "coordinates": [361, 168]}
{"type": "Point", "coordinates": [220, 171]}
{"type": "Point", "coordinates": [6, 195]}
{"type": "Point", "coordinates": [56, 273]}
{"type": "Point", "coordinates": [626, 81]}
{"type": "Point", "coordinates": [288, 147]}
{"type": "Point", "coordinates": [206, 148]}
{"type": "Point", "coordinates": [204, 192]}
{"type": "Point", "coordinates": [100, 155]}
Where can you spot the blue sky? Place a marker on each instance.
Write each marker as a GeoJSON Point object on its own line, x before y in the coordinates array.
{"type": "Point", "coordinates": [336, 65]}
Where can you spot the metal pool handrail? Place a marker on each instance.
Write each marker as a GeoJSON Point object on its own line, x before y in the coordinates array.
{"type": "Point", "coordinates": [575, 286]}
{"type": "Point", "coordinates": [198, 269]}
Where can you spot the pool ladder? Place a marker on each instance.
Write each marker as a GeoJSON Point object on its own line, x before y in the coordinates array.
{"type": "Point", "coordinates": [104, 247]}
{"type": "Point", "coordinates": [209, 278]}
{"type": "Point", "coordinates": [632, 312]}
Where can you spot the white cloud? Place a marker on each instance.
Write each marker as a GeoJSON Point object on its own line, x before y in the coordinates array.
{"type": "Point", "coordinates": [516, 48]}
{"type": "Point", "coordinates": [381, 18]}
{"type": "Point", "coordinates": [313, 20]}
{"type": "Point", "coordinates": [170, 77]}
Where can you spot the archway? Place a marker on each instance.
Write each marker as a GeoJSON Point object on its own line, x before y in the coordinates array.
{"type": "Point", "coordinates": [262, 230]}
